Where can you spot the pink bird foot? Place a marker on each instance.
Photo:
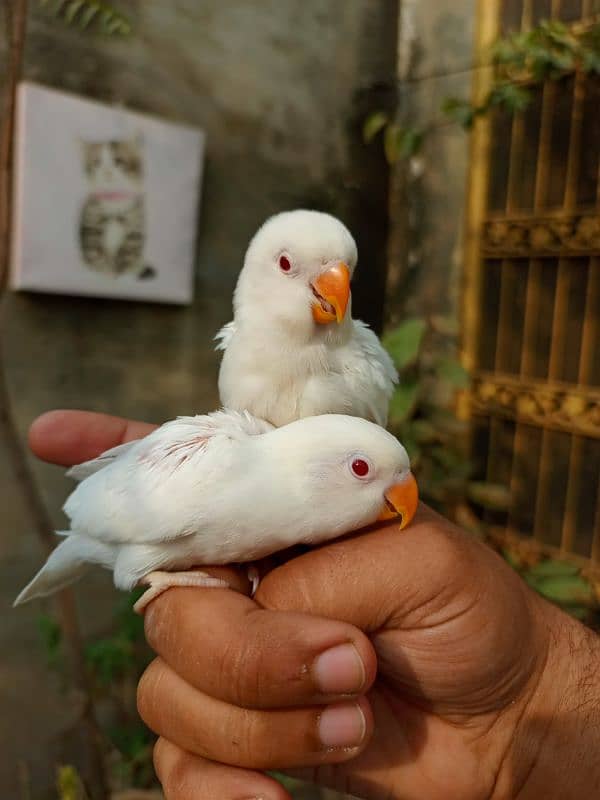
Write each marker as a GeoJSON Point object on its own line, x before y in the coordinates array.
{"type": "Point", "coordinates": [159, 582]}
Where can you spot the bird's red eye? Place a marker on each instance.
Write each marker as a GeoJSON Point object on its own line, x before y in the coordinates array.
{"type": "Point", "coordinates": [360, 467]}
{"type": "Point", "coordinates": [284, 264]}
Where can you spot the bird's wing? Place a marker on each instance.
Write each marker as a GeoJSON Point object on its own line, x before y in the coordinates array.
{"type": "Point", "coordinates": [372, 370]}
{"type": "Point", "coordinates": [151, 493]}
{"type": "Point", "coordinates": [225, 335]}
{"type": "Point", "coordinates": [82, 471]}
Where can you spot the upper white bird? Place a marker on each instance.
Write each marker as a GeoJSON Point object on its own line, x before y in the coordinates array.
{"type": "Point", "coordinates": [293, 349]}
{"type": "Point", "coordinates": [220, 488]}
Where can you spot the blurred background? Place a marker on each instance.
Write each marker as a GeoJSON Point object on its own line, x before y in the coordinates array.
{"type": "Point", "coordinates": [459, 141]}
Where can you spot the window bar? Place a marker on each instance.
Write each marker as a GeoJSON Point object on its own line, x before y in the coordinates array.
{"type": "Point", "coordinates": [589, 344]}
{"type": "Point", "coordinates": [488, 17]}
{"type": "Point", "coordinates": [559, 320]}
{"type": "Point", "coordinates": [534, 276]}
{"type": "Point", "coordinates": [588, 341]}
{"type": "Point", "coordinates": [596, 531]}
{"type": "Point", "coordinates": [488, 25]}
{"type": "Point", "coordinates": [507, 275]}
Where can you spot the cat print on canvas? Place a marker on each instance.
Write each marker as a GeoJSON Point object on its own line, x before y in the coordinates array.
{"type": "Point", "coordinates": [112, 229]}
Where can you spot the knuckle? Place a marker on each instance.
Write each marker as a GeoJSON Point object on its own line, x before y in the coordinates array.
{"type": "Point", "coordinates": [237, 671]}
{"type": "Point", "coordinates": [243, 739]}
{"type": "Point", "coordinates": [149, 692]}
{"type": "Point", "coordinates": [173, 771]}
{"type": "Point", "coordinates": [244, 666]}
{"type": "Point", "coordinates": [162, 621]}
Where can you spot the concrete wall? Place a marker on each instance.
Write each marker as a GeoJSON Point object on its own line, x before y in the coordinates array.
{"type": "Point", "coordinates": [280, 89]}
{"type": "Point", "coordinates": [435, 61]}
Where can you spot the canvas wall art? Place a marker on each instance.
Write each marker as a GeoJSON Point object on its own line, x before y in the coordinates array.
{"type": "Point", "coordinates": [106, 200]}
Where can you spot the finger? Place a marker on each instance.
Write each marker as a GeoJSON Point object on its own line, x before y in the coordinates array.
{"type": "Point", "coordinates": [250, 738]}
{"type": "Point", "coordinates": [257, 658]}
{"type": "Point", "coordinates": [71, 437]}
{"type": "Point", "coordinates": [188, 777]}
{"type": "Point", "coordinates": [375, 578]}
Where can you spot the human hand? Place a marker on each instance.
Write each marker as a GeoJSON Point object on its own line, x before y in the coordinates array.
{"type": "Point", "coordinates": [460, 671]}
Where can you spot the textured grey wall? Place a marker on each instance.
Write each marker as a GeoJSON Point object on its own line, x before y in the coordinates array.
{"type": "Point", "coordinates": [280, 88]}
{"type": "Point", "coordinates": [436, 46]}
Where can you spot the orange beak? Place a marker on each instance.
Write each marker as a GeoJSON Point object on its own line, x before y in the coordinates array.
{"type": "Point", "coordinates": [332, 290]}
{"type": "Point", "coordinates": [401, 500]}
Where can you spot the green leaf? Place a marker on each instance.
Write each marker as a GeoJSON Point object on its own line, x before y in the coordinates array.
{"type": "Point", "coordinates": [460, 111]}
{"type": "Point", "coordinates": [392, 137]}
{"type": "Point", "coordinates": [404, 342]}
{"type": "Point", "coordinates": [82, 12]}
{"type": "Point", "coordinates": [129, 624]}
{"type": "Point", "coordinates": [493, 496]}
{"type": "Point", "coordinates": [131, 740]}
{"type": "Point", "coordinates": [424, 432]}
{"type": "Point", "coordinates": [51, 635]}
{"type": "Point", "coordinates": [285, 780]}
{"type": "Point", "coordinates": [578, 612]}
{"type": "Point", "coordinates": [411, 141]}
{"type": "Point", "coordinates": [403, 402]}
{"type": "Point", "coordinates": [509, 96]}
{"type": "Point", "coordinates": [551, 568]}
{"type": "Point", "coordinates": [453, 372]}
{"type": "Point", "coordinates": [571, 589]}
{"type": "Point", "coordinates": [110, 658]}
{"type": "Point", "coordinates": [72, 10]}
{"type": "Point", "coordinates": [511, 558]}
{"type": "Point", "coordinates": [87, 15]}
{"type": "Point", "coordinates": [69, 784]}
{"type": "Point", "coordinates": [374, 123]}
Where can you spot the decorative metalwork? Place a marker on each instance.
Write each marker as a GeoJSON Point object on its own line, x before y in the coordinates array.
{"type": "Point", "coordinates": [535, 311]}
{"type": "Point", "coordinates": [557, 406]}
{"type": "Point", "coordinates": [536, 237]}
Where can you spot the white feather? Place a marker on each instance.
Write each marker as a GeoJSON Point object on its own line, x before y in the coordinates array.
{"type": "Point", "coordinates": [220, 488]}
{"type": "Point", "coordinates": [81, 471]}
{"type": "Point", "coordinates": [278, 363]}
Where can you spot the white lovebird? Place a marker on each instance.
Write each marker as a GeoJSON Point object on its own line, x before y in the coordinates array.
{"type": "Point", "coordinates": [224, 488]}
{"type": "Point", "coordinates": [293, 349]}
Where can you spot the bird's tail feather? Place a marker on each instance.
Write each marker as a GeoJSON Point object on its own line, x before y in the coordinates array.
{"type": "Point", "coordinates": [67, 563]}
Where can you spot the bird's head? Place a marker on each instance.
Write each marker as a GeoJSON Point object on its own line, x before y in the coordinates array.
{"type": "Point", "coordinates": [297, 270]}
{"type": "Point", "coordinates": [343, 473]}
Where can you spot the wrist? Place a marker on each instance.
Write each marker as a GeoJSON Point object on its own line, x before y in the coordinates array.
{"type": "Point", "coordinates": [555, 751]}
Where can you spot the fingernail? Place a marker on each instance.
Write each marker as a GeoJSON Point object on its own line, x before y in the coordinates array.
{"type": "Point", "coordinates": [343, 725]}
{"type": "Point", "coordinates": [339, 670]}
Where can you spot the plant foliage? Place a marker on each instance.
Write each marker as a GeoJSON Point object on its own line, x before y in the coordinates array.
{"type": "Point", "coordinates": [69, 784]}
{"type": "Point", "coordinates": [522, 61]}
{"type": "Point", "coordinates": [92, 14]}
{"type": "Point", "coordinates": [114, 663]}
{"type": "Point", "coordinates": [559, 581]}
{"type": "Point", "coordinates": [422, 415]}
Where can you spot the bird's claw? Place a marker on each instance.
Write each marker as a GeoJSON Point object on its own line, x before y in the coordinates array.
{"type": "Point", "coordinates": [254, 578]}
{"type": "Point", "coordinates": [159, 582]}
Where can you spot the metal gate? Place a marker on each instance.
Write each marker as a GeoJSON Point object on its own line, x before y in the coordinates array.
{"type": "Point", "coordinates": [531, 300]}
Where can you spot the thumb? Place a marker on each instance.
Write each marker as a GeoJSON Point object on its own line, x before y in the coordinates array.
{"type": "Point", "coordinates": [373, 579]}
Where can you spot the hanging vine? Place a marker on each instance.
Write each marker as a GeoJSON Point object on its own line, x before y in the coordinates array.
{"type": "Point", "coordinates": [522, 61]}
{"type": "Point", "coordinates": [92, 14]}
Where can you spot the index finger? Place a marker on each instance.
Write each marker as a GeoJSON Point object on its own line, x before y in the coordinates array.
{"type": "Point", "coordinates": [72, 437]}
{"type": "Point", "coordinates": [223, 644]}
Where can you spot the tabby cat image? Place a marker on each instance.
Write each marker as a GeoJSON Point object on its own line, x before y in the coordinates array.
{"type": "Point", "coordinates": [112, 223]}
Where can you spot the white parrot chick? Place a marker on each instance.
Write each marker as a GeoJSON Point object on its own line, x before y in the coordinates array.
{"type": "Point", "coordinates": [293, 349]}
{"type": "Point", "coordinates": [224, 488]}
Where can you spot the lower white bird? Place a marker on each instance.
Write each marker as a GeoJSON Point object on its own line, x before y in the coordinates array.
{"type": "Point", "coordinates": [293, 349]}
{"type": "Point", "coordinates": [223, 488]}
